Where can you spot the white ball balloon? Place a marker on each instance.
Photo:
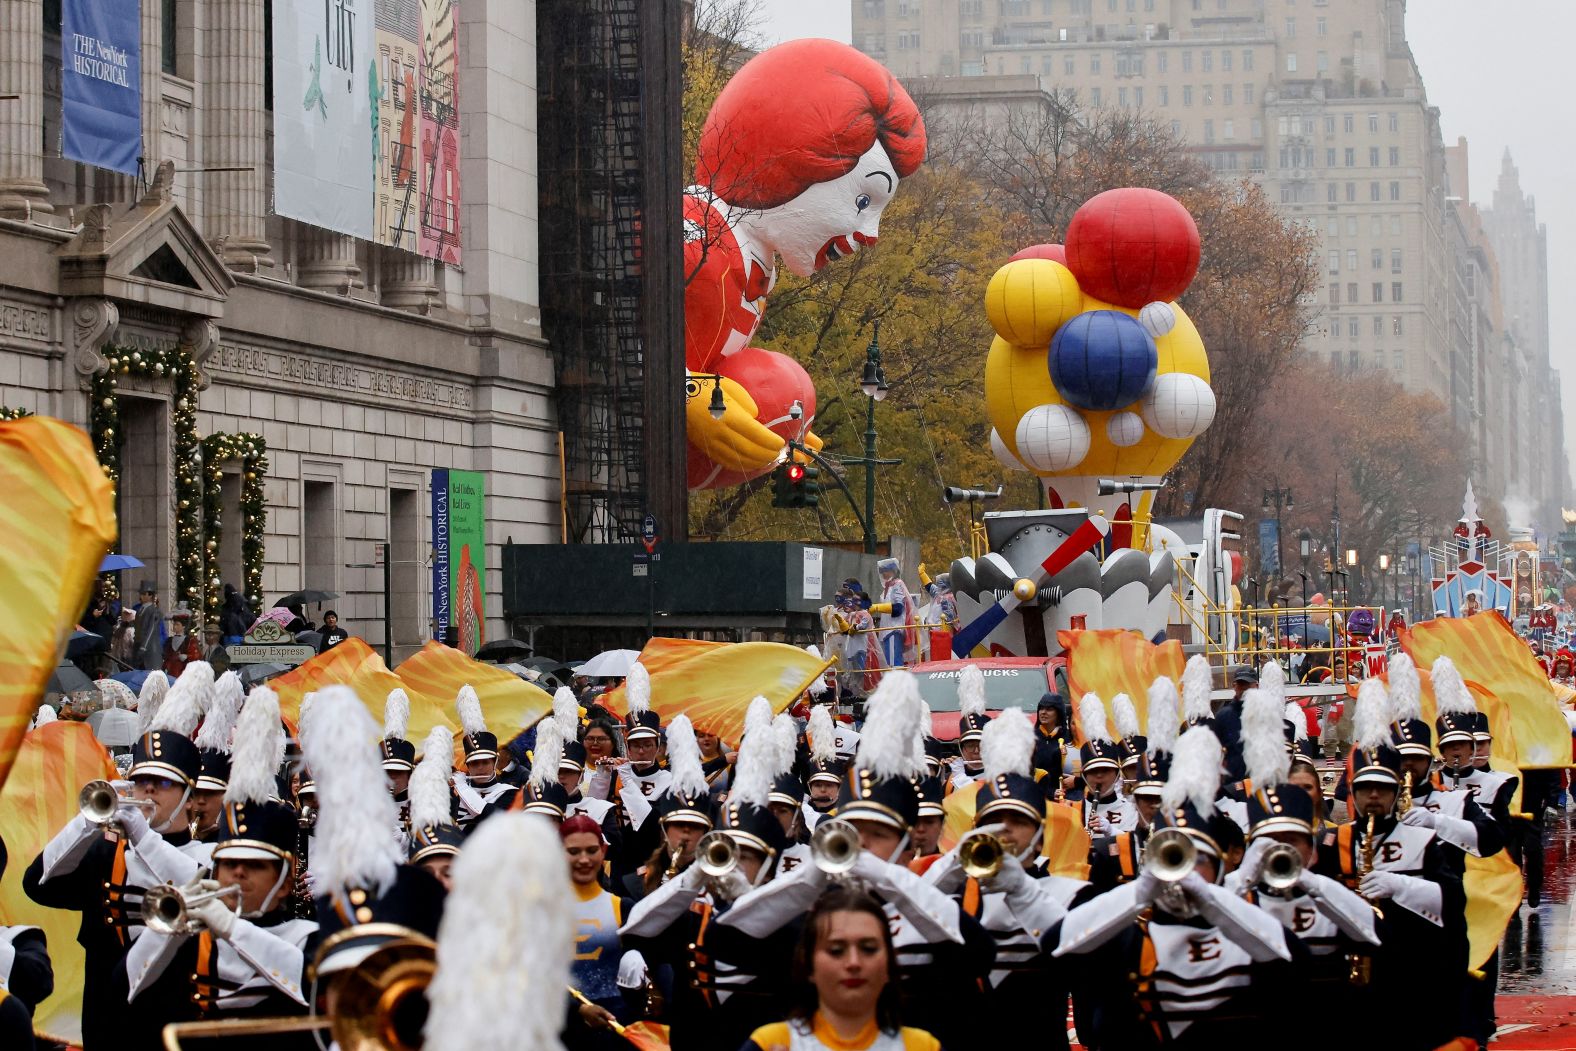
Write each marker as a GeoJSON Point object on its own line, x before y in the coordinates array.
{"type": "Point", "coordinates": [1003, 454]}
{"type": "Point", "coordinates": [1125, 429]}
{"type": "Point", "coordinates": [1157, 318]}
{"type": "Point", "coordinates": [1052, 438]}
{"type": "Point", "coordinates": [1179, 405]}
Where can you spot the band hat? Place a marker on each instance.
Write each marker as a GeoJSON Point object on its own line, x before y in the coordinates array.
{"type": "Point", "coordinates": [931, 792]}
{"type": "Point", "coordinates": [1188, 800]}
{"type": "Point", "coordinates": [1456, 710]}
{"type": "Point", "coordinates": [1279, 808]}
{"type": "Point", "coordinates": [971, 703]}
{"type": "Point", "coordinates": [641, 722]}
{"type": "Point", "coordinates": [254, 824]}
{"type": "Point", "coordinates": [432, 828]}
{"type": "Point", "coordinates": [882, 784]}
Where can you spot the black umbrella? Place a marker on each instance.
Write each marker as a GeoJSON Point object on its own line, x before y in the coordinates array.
{"type": "Point", "coordinates": [502, 651]}
{"type": "Point", "coordinates": [301, 598]}
{"type": "Point", "coordinates": [252, 674]}
{"type": "Point", "coordinates": [68, 678]}
{"type": "Point", "coordinates": [86, 643]}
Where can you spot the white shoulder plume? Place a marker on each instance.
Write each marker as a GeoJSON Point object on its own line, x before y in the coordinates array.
{"type": "Point", "coordinates": [1195, 771]}
{"type": "Point", "coordinates": [566, 713]}
{"type": "Point", "coordinates": [821, 732]}
{"type": "Point", "coordinates": [1406, 689]}
{"type": "Point", "coordinates": [637, 689]}
{"type": "Point", "coordinates": [1125, 716]}
{"type": "Point", "coordinates": [1165, 721]}
{"type": "Point", "coordinates": [1371, 718]}
{"type": "Point", "coordinates": [971, 690]}
{"type": "Point", "coordinates": [355, 845]}
{"type": "Point", "coordinates": [1450, 691]}
{"type": "Point", "coordinates": [547, 754]}
{"type": "Point", "coordinates": [429, 783]}
{"type": "Point", "coordinates": [1264, 738]}
{"type": "Point", "coordinates": [689, 780]}
{"type": "Point", "coordinates": [506, 940]}
{"type": "Point", "coordinates": [1195, 689]}
{"type": "Point", "coordinates": [1091, 718]}
{"type": "Point", "coordinates": [257, 756]}
{"type": "Point", "coordinates": [154, 689]}
{"type": "Point", "coordinates": [1007, 745]}
{"type": "Point", "coordinates": [219, 724]}
{"type": "Point", "coordinates": [469, 705]}
{"type": "Point", "coordinates": [887, 745]}
{"type": "Point", "coordinates": [396, 715]}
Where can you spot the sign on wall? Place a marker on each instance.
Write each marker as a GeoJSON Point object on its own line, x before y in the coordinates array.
{"type": "Point", "coordinates": [101, 84]}
{"type": "Point", "coordinates": [459, 556]}
{"type": "Point", "coordinates": [366, 120]}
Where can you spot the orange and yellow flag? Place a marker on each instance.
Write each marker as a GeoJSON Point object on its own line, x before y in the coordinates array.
{"type": "Point", "coordinates": [714, 684]}
{"type": "Point", "coordinates": [336, 666]}
{"type": "Point", "coordinates": [1493, 886]}
{"type": "Point", "coordinates": [509, 702]}
{"type": "Point", "coordinates": [39, 797]}
{"type": "Point", "coordinates": [57, 515]}
{"type": "Point", "coordinates": [648, 1036]}
{"type": "Point", "coordinates": [1530, 730]}
{"type": "Point", "coordinates": [1112, 661]}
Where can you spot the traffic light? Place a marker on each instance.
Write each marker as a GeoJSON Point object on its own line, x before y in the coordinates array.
{"type": "Point", "coordinates": [795, 485]}
{"type": "Point", "coordinates": [809, 490]}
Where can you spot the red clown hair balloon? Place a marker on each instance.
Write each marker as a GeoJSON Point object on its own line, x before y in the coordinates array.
{"type": "Point", "coordinates": [1133, 246]}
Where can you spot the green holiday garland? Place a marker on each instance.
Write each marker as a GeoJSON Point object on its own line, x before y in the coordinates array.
{"type": "Point", "coordinates": [252, 451]}
{"type": "Point", "coordinates": [8, 413]}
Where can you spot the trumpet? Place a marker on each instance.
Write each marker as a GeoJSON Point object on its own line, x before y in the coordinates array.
{"type": "Point", "coordinates": [835, 846]}
{"type": "Point", "coordinates": [1169, 855]}
{"type": "Point", "coordinates": [1281, 868]}
{"type": "Point", "coordinates": [99, 801]}
{"type": "Point", "coordinates": [717, 854]}
{"type": "Point", "coordinates": [167, 910]}
{"type": "Point", "coordinates": [981, 855]}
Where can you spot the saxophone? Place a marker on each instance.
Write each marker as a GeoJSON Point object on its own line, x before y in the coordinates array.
{"type": "Point", "coordinates": [1404, 800]}
{"type": "Point", "coordinates": [1362, 964]}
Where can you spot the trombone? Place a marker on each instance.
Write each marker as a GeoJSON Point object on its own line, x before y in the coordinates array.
{"type": "Point", "coordinates": [166, 908]}
{"type": "Point", "coordinates": [835, 846]}
{"type": "Point", "coordinates": [99, 801]}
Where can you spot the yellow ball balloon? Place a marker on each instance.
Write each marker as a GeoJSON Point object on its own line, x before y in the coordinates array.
{"type": "Point", "coordinates": [1029, 299]}
{"type": "Point", "coordinates": [1024, 590]}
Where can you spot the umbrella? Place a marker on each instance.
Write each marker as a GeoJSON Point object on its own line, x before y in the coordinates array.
{"type": "Point", "coordinates": [313, 639]}
{"type": "Point", "coordinates": [84, 643]}
{"type": "Point", "coordinates": [301, 598]}
{"type": "Point", "coordinates": [279, 615]}
{"type": "Point", "coordinates": [114, 727]}
{"type": "Point", "coordinates": [68, 678]}
{"type": "Point", "coordinates": [133, 679]}
{"type": "Point", "coordinates": [609, 664]}
{"type": "Point", "coordinates": [252, 674]}
{"type": "Point", "coordinates": [501, 650]}
{"type": "Point", "coordinates": [113, 563]}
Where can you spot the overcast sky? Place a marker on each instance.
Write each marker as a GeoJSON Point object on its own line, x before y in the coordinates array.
{"type": "Point", "coordinates": [1494, 84]}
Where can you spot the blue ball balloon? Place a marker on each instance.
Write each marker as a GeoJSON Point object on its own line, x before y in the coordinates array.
{"type": "Point", "coordinates": [1102, 360]}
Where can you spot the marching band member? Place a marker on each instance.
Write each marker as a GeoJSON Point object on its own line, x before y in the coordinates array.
{"type": "Point", "coordinates": [213, 744]}
{"type": "Point", "coordinates": [220, 960]}
{"type": "Point", "coordinates": [102, 870]}
{"type": "Point", "coordinates": [967, 768]}
{"type": "Point", "coordinates": [1120, 857]}
{"type": "Point", "coordinates": [399, 755]}
{"type": "Point", "coordinates": [1133, 744]}
{"type": "Point", "coordinates": [641, 780]}
{"type": "Point", "coordinates": [1194, 955]}
{"type": "Point", "coordinates": [825, 772]}
{"type": "Point", "coordinates": [435, 840]}
{"type": "Point", "coordinates": [683, 813]}
{"type": "Point", "coordinates": [924, 836]}
{"type": "Point", "coordinates": [1104, 811]}
{"type": "Point", "coordinates": [1052, 735]}
{"type": "Point", "coordinates": [479, 785]}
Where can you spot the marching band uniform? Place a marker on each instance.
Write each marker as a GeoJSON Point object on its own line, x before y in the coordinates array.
{"type": "Point", "coordinates": [25, 970]}
{"type": "Point", "coordinates": [1112, 812]}
{"type": "Point", "coordinates": [972, 721]}
{"type": "Point", "coordinates": [1454, 816]}
{"type": "Point", "coordinates": [476, 794]}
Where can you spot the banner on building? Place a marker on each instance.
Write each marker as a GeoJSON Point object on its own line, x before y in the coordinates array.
{"type": "Point", "coordinates": [459, 559]}
{"type": "Point", "coordinates": [1269, 548]}
{"type": "Point", "coordinates": [366, 120]}
{"type": "Point", "coordinates": [101, 84]}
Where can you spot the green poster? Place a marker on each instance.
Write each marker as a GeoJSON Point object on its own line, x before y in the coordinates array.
{"type": "Point", "coordinates": [468, 556]}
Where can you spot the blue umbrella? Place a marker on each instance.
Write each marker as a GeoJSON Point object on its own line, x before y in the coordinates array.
{"type": "Point", "coordinates": [112, 563]}
{"type": "Point", "coordinates": [133, 679]}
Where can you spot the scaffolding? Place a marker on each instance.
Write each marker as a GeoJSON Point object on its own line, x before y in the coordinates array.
{"type": "Point", "coordinates": [592, 186]}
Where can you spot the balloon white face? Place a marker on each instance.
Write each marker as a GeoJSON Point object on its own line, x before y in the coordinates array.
{"type": "Point", "coordinates": [832, 219]}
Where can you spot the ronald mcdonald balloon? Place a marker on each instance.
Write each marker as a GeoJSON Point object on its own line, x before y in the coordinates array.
{"type": "Point", "coordinates": [1095, 371]}
{"type": "Point", "coordinates": [801, 153]}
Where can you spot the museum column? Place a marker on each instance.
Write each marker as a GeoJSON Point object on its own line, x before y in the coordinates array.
{"type": "Point", "coordinates": [233, 136]}
{"type": "Point", "coordinates": [22, 189]}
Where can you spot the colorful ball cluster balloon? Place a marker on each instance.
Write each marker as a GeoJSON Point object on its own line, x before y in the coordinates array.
{"type": "Point", "coordinates": [1095, 371]}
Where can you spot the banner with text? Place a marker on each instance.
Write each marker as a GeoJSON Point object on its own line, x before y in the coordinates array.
{"type": "Point", "coordinates": [366, 120]}
{"type": "Point", "coordinates": [101, 84]}
{"type": "Point", "coordinates": [459, 557]}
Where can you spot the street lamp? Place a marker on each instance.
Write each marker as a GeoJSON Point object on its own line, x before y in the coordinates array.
{"type": "Point", "coordinates": [1305, 549]}
{"type": "Point", "coordinates": [1384, 568]}
{"type": "Point", "coordinates": [717, 407]}
{"type": "Point", "coordinates": [1278, 500]}
{"type": "Point", "coordinates": [1351, 571]}
{"type": "Point", "coordinates": [874, 386]}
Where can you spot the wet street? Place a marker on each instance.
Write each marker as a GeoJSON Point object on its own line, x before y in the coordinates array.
{"type": "Point", "coordinates": [1538, 955]}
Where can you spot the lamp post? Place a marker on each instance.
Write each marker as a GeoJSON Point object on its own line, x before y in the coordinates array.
{"type": "Point", "coordinates": [1384, 568]}
{"type": "Point", "coordinates": [1278, 500]}
{"type": "Point", "coordinates": [1305, 549]}
{"type": "Point", "coordinates": [874, 385]}
{"type": "Point", "coordinates": [1351, 570]}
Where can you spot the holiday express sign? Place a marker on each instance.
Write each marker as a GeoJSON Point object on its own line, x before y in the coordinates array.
{"type": "Point", "coordinates": [459, 556]}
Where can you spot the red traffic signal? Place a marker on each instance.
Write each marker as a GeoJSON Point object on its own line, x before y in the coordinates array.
{"type": "Point", "coordinates": [795, 473]}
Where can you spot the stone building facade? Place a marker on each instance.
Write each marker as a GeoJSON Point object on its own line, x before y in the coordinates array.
{"type": "Point", "coordinates": [363, 368]}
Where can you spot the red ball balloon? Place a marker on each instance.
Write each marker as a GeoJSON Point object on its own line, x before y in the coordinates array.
{"type": "Point", "coordinates": [1133, 246]}
{"type": "Point", "coordinates": [1055, 253]}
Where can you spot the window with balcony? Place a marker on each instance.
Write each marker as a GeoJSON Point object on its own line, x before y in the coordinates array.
{"type": "Point", "coordinates": [1351, 259]}
{"type": "Point", "coordinates": [1395, 260]}
{"type": "Point", "coordinates": [1395, 292]}
{"type": "Point", "coordinates": [1395, 325]}
{"type": "Point", "coordinates": [1335, 260]}
{"type": "Point", "coordinates": [1348, 123]}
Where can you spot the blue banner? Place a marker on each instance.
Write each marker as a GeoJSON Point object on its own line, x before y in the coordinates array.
{"type": "Point", "coordinates": [442, 610]}
{"type": "Point", "coordinates": [1269, 548]}
{"type": "Point", "coordinates": [101, 83]}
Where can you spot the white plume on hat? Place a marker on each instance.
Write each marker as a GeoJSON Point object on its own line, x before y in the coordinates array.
{"type": "Point", "coordinates": [547, 754]}
{"type": "Point", "coordinates": [355, 845]}
{"type": "Point", "coordinates": [971, 690]}
{"type": "Point", "coordinates": [1264, 738]}
{"type": "Point", "coordinates": [758, 716]}
{"type": "Point", "coordinates": [785, 744]}
{"type": "Point", "coordinates": [1165, 721]}
{"type": "Point", "coordinates": [429, 782]}
{"type": "Point", "coordinates": [1298, 719]}
{"type": "Point", "coordinates": [1091, 718]}
{"type": "Point", "coordinates": [1195, 689]}
{"type": "Point", "coordinates": [257, 753]}
{"type": "Point", "coordinates": [689, 780]}
{"type": "Point", "coordinates": [817, 685]}
{"type": "Point", "coordinates": [821, 732]}
{"type": "Point", "coordinates": [1451, 695]}
{"type": "Point", "coordinates": [45, 714]}
{"type": "Point", "coordinates": [1125, 716]}
{"type": "Point", "coordinates": [507, 936]}
{"type": "Point", "coordinates": [1195, 771]}
{"type": "Point", "coordinates": [637, 689]}
{"type": "Point", "coordinates": [1406, 689]}
{"type": "Point", "coordinates": [218, 726]}
{"type": "Point", "coordinates": [183, 707]}
{"type": "Point", "coordinates": [308, 699]}
{"type": "Point", "coordinates": [470, 708]}
{"type": "Point", "coordinates": [922, 727]}
{"type": "Point", "coordinates": [1272, 680]}
{"type": "Point", "coordinates": [887, 745]}
{"type": "Point", "coordinates": [154, 689]}
{"type": "Point", "coordinates": [1371, 717]}
{"type": "Point", "coordinates": [566, 713]}
{"type": "Point", "coordinates": [752, 773]}
{"type": "Point", "coordinates": [1007, 745]}
{"type": "Point", "coordinates": [396, 715]}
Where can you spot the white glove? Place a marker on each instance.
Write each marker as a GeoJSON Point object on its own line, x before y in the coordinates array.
{"type": "Point", "coordinates": [1195, 886]}
{"type": "Point", "coordinates": [1010, 878]}
{"type": "Point", "coordinates": [1379, 885]}
{"type": "Point", "coordinates": [1253, 861]}
{"type": "Point", "coordinates": [731, 887]}
{"type": "Point", "coordinates": [692, 878]}
{"type": "Point", "coordinates": [216, 916]}
{"type": "Point", "coordinates": [1308, 883]}
{"type": "Point", "coordinates": [1419, 817]}
{"type": "Point", "coordinates": [133, 822]}
{"type": "Point", "coordinates": [1147, 887]}
{"type": "Point", "coordinates": [946, 875]}
{"type": "Point", "coordinates": [1099, 825]}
